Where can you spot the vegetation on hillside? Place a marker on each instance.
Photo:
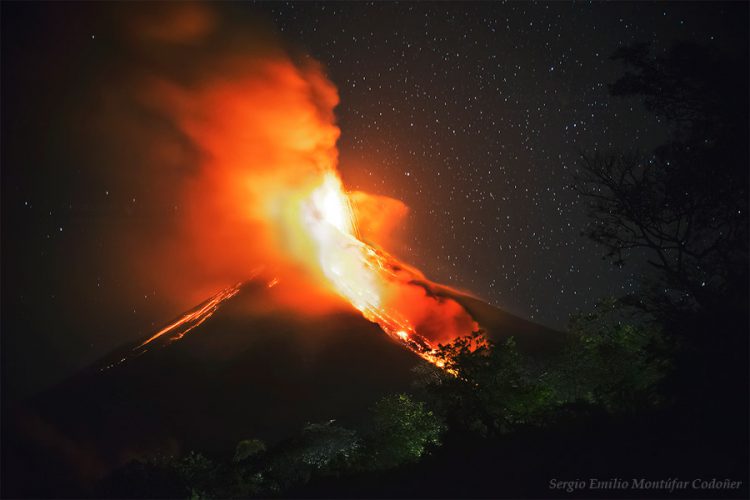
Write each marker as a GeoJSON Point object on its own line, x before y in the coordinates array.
{"type": "Point", "coordinates": [491, 389]}
{"type": "Point", "coordinates": [682, 208]}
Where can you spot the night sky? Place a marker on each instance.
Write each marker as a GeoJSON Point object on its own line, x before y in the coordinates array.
{"type": "Point", "coordinates": [472, 114]}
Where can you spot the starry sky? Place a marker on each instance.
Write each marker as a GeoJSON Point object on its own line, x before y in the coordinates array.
{"type": "Point", "coordinates": [473, 114]}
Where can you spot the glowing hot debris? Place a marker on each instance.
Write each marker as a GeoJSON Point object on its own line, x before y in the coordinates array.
{"type": "Point", "coordinates": [357, 271]}
{"type": "Point", "coordinates": [194, 318]}
{"type": "Point", "coordinates": [180, 327]}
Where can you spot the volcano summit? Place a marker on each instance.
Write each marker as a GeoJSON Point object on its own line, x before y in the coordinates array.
{"type": "Point", "coordinates": [231, 368]}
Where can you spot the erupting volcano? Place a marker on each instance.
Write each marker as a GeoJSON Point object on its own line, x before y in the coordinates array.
{"type": "Point", "coordinates": [295, 276]}
{"type": "Point", "coordinates": [258, 132]}
{"type": "Point", "coordinates": [370, 279]}
{"type": "Point", "coordinates": [358, 271]}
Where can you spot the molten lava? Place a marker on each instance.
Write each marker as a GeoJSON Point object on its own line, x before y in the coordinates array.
{"type": "Point", "coordinates": [246, 158]}
{"type": "Point", "coordinates": [192, 319]}
{"type": "Point", "coordinates": [181, 326]}
{"type": "Point", "coordinates": [357, 271]}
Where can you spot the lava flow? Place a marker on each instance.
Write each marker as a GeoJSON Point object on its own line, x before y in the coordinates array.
{"type": "Point", "coordinates": [181, 326]}
{"type": "Point", "coordinates": [192, 319]}
{"type": "Point", "coordinates": [249, 167]}
{"type": "Point", "coordinates": [358, 271]}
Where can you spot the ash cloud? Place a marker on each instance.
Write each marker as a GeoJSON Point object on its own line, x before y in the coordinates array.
{"type": "Point", "coordinates": [210, 123]}
{"type": "Point", "coordinates": [153, 135]}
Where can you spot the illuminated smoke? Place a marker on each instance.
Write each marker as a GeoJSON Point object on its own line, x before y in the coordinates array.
{"type": "Point", "coordinates": [254, 132]}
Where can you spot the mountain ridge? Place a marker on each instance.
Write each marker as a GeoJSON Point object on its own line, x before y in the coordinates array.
{"type": "Point", "coordinates": [235, 371]}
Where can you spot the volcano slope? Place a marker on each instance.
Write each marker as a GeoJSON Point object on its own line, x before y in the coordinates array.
{"type": "Point", "coordinates": [232, 371]}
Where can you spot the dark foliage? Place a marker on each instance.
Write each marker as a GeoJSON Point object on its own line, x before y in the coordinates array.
{"type": "Point", "coordinates": [401, 431]}
{"type": "Point", "coordinates": [493, 389]}
{"type": "Point", "coordinates": [683, 206]}
{"type": "Point", "coordinates": [668, 386]}
{"type": "Point", "coordinates": [489, 388]}
{"type": "Point", "coordinates": [612, 361]}
{"type": "Point", "coordinates": [161, 476]}
{"type": "Point", "coordinates": [320, 448]}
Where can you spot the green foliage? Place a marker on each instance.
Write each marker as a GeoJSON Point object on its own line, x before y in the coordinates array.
{"type": "Point", "coordinates": [485, 387]}
{"type": "Point", "coordinates": [164, 476]}
{"type": "Point", "coordinates": [494, 389]}
{"type": "Point", "coordinates": [324, 444]}
{"type": "Point", "coordinates": [608, 362]}
{"type": "Point", "coordinates": [321, 448]}
{"type": "Point", "coordinates": [402, 431]}
{"type": "Point", "coordinates": [611, 362]}
{"type": "Point", "coordinates": [245, 483]}
{"type": "Point", "coordinates": [244, 477]}
{"type": "Point", "coordinates": [196, 472]}
{"type": "Point", "coordinates": [248, 448]}
{"type": "Point", "coordinates": [253, 471]}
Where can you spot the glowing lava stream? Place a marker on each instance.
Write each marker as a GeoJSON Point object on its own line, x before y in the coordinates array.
{"type": "Point", "coordinates": [358, 271]}
{"type": "Point", "coordinates": [194, 318]}
{"type": "Point", "coordinates": [178, 328]}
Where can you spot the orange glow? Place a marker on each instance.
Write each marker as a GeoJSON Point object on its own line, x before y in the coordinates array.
{"type": "Point", "coordinates": [255, 134]}
{"type": "Point", "coordinates": [194, 318]}
{"type": "Point", "coordinates": [371, 280]}
{"type": "Point", "coordinates": [181, 326]}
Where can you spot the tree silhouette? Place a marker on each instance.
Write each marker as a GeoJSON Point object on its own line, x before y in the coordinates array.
{"type": "Point", "coordinates": [403, 429]}
{"type": "Point", "coordinates": [683, 206]}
